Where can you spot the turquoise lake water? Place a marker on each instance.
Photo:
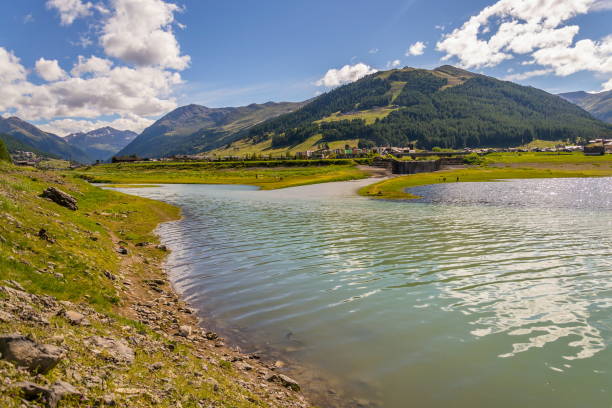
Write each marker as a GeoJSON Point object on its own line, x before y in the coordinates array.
{"type": "Point", "coordinates": [479, 295]}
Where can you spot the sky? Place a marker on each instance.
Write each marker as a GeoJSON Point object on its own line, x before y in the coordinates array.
{"type": "Point", "coordinates": [77, 65]}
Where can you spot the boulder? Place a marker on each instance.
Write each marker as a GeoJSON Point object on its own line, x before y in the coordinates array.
{"type": "Point", "coordinates": [49, 396]}
{"type": "Point", "coordinates": [34, 392]}
{"type": "Point", "coordinates": [118, 350]}
{"type": "Point", "coordinates": [61, 198]}
{"type": "Point", "coordinates": [62, 389]}
{"type": "Point", "coordinates": [285, 381]}
{"type": "Point", "coordinates": [185, 331]}
{"type": "Point", "coordinates": [75, 318]}
{"type": "Point", "coordinates": [24, 352]}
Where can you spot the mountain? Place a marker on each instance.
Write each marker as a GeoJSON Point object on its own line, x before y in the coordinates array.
{"type": "Point", "coordinates": [194, 128]}
{"type": "Point", "coordinates": [446, 107]}
{"type": "Point", "coordinates": [25, 135]}
{"type": "Point", "coordinates": [597, 104]}
{"type": "Point", "coordinates": [101, 144]}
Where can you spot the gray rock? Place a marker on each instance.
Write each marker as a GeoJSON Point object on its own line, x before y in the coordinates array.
{"type": "Point", "coordinates": [34, 392]}
{"type": "Point", "coordinates": [75, 318]}
{"type": "Point", "coordinates": [185, 331]}
{"type": "Point", "coordinates": [122, 250]}
{"type": "Point", "coordinates": [61, 198]}
{"type": "Point", "coordinates": [62, 389]}
{"type": "Point", "coordinates": [118, 350]}
{"type": "Point", "coordinates": [110, 275]}
{"type": "Point", "coordinates": [24, 352]}
{"type": "Point", "coordinates": [285, 381]}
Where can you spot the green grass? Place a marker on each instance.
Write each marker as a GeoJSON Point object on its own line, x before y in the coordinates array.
{"type": "Point", "coordinates": [83, 249]}
{"type": "Point", "coordinates": [202, 173]}
{"type": "Point", "coordinates": [395, 188]}
{"type": "Point", "coordinates": [548, 158]}
{"type": "Point", "coordinates": [369, 116]}
{"type": "Point", "coordinates": [541, 144]}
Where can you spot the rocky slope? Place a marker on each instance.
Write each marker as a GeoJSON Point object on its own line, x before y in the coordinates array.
{"type": "Point", "coordinates": [27, 134]}
{"type": "Point", "coordinates": [597, 104]}
{"type": "Point", "coordinates": [192, 129]}
{"type": "Point", "coordinates": [101, 144]}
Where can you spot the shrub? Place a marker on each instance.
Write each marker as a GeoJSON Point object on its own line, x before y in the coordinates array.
{"type": "Point", "coordinates": [4, 153]}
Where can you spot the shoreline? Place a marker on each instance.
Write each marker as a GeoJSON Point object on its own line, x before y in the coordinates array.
{"type": "Point", "coordinates": [396, 188]}
{"type": "Point", "coordinates": [317, 387]}
{"type": "Point", "coordinates": [92, 288]}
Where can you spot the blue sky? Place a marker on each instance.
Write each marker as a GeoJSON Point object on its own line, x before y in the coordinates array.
{"type": "Point", "coordinates": [153, 55]}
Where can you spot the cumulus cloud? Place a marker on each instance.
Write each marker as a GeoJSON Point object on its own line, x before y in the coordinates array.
{"type": "Point", "coordinates": [64, 127]}
{"type": "Point", "coordinates": [11, 69]}
{"type": "Point", "coordinates": [49, 70]}
{"type": "Point", "coordinates": [140, 32]}
{"type": "Point", "coordinates": [345, 75]}
{"type": "Point", "coordinates": [394, 64]}
{"type": "Point", "coordinates": [105, 90]}
{"type": "Point", "coordinates": [70, 10]}
{"type": "Point", "coordinates": [418, 48]}
{"type": "Point", "coordinates": [92, 65]}
{"type": "Point", "coordinates": [132, 83]}
{"type": "Point", "coordinates": [535, 28]}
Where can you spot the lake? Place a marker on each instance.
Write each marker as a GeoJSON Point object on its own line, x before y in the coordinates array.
{"type": "Point", "coordinates": [480, 294]}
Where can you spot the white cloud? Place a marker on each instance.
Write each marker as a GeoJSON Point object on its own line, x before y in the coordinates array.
{"type": "Point", "coordinates": [607, 86]}
{"type": "Point", "coordinates": [601, 5]}
{"type": "Point", "coordinates": [345, 75]}
{"type": "Point", "coordinates": [133, 88]}
{"type": "Point", "coordinates": [49, 70]}
{"type": "Point", "coordinates": [440, 27]}
{"type": "Point", "coordinates": [394, 64]}
{"type": "Point", "coordinates": [140, 32]}
{"type": "Point", "coordinates": [64, 127]}
{"type": "Point", "coordinates": [128, 92]}
{"type": "Point", "coordinates": [585, 55]}
{"type": "Point", "coordinates": [535, 28]}
{"type": "Point", "coordinates": [11, 69]}
{"type": "Point", "coordinates": [527, 75]}
{"type": "Point", "coordinates": [374, 51]}
{"type": "Point", "coordinates": [70, 10]}
{"type": "Point", "coordinates": [28, 18]}
{"type": "Point", "coordinates": [418, 48]}
{"type": "Point", "coordinates": [92, 65]}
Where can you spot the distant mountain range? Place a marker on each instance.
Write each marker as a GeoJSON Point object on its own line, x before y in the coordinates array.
{"type": "Point", "coordinates": [101, 144]}
{"type": "Point", "coordinates": [194, 128]}
{"type": "Point", "coordinates": [597, 104]}
{"type": "Point", "coordinates": [21, 135]}
{"type": "Point", "coordinates": [446, 107]}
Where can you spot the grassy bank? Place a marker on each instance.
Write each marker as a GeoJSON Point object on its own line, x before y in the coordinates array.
{"type": "Point", "coordinates": [54, 260]}
{"type": "Point", "coordinates": [395, 188]}
{"type": "Point", "coordinates": [206, 173]}
{"type": "Point", "coordinates": [550, 159]}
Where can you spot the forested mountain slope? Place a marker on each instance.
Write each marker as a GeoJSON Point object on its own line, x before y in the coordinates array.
{"type": "Point", "coordinates": [445, 107]}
